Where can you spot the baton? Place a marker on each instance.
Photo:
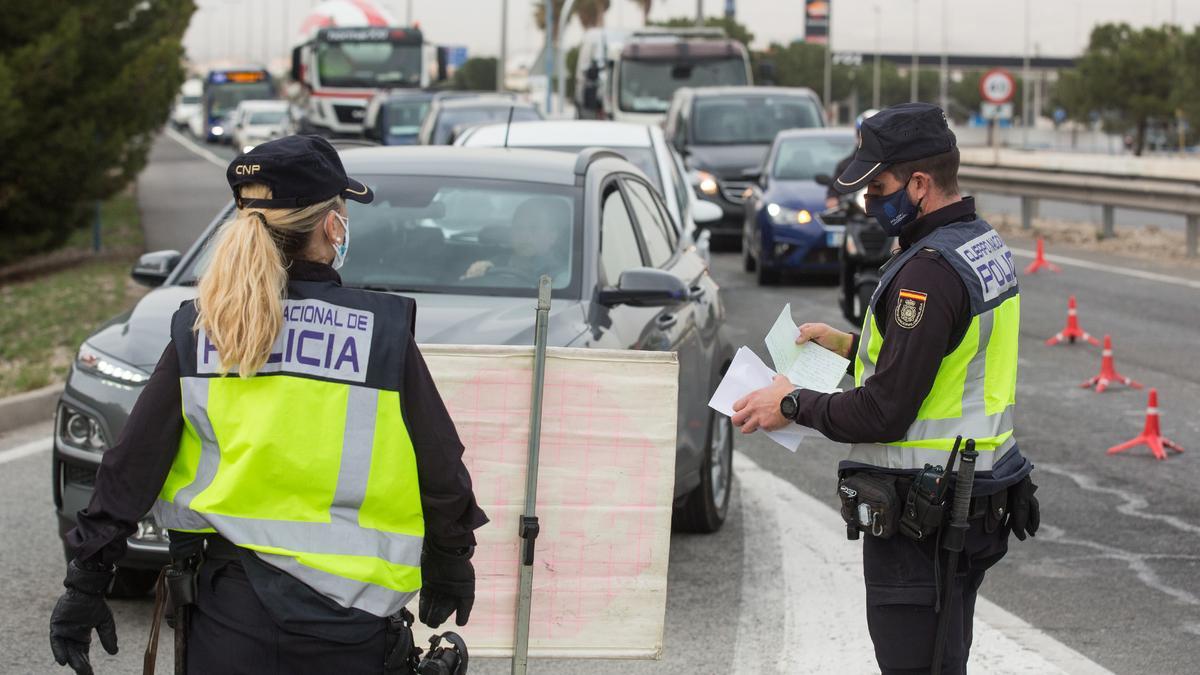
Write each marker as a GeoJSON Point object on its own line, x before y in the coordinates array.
{"type": "Point", "coordinates": [952, 541]}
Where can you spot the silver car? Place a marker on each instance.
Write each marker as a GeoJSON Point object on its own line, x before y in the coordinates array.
{"type": "Point", "coordinates": [466, 232]}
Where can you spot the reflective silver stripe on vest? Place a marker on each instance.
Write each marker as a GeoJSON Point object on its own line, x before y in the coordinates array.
{"type": "Point", "coordinates": [974, 423]}
{"type": "Point", "coordinates": [903, 457]}
{"type": "Point", "coordinates": [371, 598]}
{"type": "Point", "coordinates": [195, 408]}
{"type": "Point", "coordinates": [337, 538]}
{"type": "Point", "coordinates": [358, 439]}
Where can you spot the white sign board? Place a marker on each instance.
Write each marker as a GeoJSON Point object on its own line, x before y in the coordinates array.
{"type": "Point", "coordinates": [997, 86]}
{"type": "Point", "coordinates": [995, 111]}
{"type": "Point", "coordinates": [605, 486]}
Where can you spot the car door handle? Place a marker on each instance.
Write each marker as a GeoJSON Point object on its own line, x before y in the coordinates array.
{"type": "Point", "coordinates": [696, 293]}
{"type": "Point", "coordinates": [664, 321]}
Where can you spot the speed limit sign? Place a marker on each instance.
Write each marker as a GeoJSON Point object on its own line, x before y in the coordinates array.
{"type": "Point", "coordinates": [997, 86]}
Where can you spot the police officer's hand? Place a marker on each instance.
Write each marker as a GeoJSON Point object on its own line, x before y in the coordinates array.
{"type": "Point", "coordinates": [79, 611]}
{"type": "Point", "coordinates": [760, 409]}
{"type": "Point", "coordinates": [447, 585]}
{"type": "Point", "coordinates": [827, 336]}
{"type": "Point", "coordinates": [1024, 513]}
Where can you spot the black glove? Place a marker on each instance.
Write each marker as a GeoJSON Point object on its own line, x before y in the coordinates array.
{"type": "Point", "coordinates": [1024, 514]}
{"type": "Point", "coordinates": [447, 584]}
{"type": "Point", "coordinates": [79, 610]}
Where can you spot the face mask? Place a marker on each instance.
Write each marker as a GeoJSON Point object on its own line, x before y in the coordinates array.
{"type": "Point", "coordinates": [339, 250]}
{"type": "Point", "coordinates": [893, 211]}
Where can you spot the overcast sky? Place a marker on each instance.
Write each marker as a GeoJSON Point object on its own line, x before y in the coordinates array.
{"type": "Point", "coordinates": [264, 30]}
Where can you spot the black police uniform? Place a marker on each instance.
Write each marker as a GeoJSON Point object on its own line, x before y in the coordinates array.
{"type": "Point", "coordinates": [903, 576]}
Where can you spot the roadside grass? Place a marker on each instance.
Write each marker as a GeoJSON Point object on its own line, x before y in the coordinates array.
{"type": "Point", "coordinates": [45, 318]}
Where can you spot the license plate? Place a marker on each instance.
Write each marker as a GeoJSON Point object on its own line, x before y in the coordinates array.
{"type": "Point", "coordinates": [834, 239]}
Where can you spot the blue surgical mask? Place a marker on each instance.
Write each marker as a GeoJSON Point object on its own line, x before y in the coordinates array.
{"type": "Point", "coordinates": [893, 211]}
{"type": "Point", "coordinates": [339, 250]}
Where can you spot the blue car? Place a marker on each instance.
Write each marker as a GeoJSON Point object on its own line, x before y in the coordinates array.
{"type": "Point", "coordinates": [782, 230]}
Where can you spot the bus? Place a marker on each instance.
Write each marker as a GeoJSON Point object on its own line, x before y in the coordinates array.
{"type": "Point", "coordinates": [224, 89]}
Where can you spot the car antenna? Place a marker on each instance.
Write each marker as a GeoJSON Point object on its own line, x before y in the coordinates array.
{"type": "Point", "coordinates": [508, 126]}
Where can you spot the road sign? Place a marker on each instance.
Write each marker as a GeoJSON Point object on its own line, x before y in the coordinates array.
{"type": "Point", "coordinates": [995, 111]}
{"type": "Point", "coordinates": [997, 86]}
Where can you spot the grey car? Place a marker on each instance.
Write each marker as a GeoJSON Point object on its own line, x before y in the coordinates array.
{"type": "Point", "coordinates": [466, 232]}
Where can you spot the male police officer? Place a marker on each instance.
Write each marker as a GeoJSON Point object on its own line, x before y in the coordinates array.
{"type": "Point", "coordinates": [937, 358]}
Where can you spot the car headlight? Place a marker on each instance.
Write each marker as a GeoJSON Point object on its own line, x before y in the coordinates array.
{"type": "Point", "coordinates": [150, 531]}
{"type": "Point", "coordinates": [218, 131]}
{"type": "Point", "coordinates": [247, 148]}
{"type": "Point", "coordinates": [102, 365]}
{"type": "Point", "coordinates": [79, 429]}
{"type": "Point", "coordinates": [705, 182]}
{"type": "Point", "coordinates": [782, 215]}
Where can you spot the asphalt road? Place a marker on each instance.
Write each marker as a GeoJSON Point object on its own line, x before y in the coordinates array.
{"type": "Point", "coordinates": [1112, 574]}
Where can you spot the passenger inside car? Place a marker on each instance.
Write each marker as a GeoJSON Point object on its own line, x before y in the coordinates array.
{"type": "Point", "coordinates": [537, 244]}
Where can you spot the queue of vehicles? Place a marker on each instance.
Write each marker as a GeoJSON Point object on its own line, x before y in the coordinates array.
{"type": "Point", "coordinates": [624, 211]}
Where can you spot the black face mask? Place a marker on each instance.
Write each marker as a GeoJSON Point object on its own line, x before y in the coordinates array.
{"type": "Point", "coordinates": [894, 211]}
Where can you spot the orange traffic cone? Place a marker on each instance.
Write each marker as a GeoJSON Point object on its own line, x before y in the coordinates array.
{"type": "Point", "coordinates": [1151, 436]}
{"type": "Point", "coordinates": [1108, 372]}
{"type": "Point", "coordinates": [1039, 261]}
{"type": "Point", "coordinates": [1072, 332]}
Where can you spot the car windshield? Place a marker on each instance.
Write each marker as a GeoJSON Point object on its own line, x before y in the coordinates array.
{"type": "Point", "coordinates": [648, 86]}
{"type": "Point", "coordinates": [403, 118]}
{"type": "Point", "coordinates": [266, 117]}
{"type": "Point", "coordinates": [806, 158]}
{"type": "Point", "coordinates": [750, 120]}
{"type": "Point", "coordinates": [451, 119]}
{"type": "Point", "coordinates": [369, 64]}
{"type": "Point", "coordinates": [642, 158]}
{"type": "Point", "coordinates": [223, 98]}
{"type": "Point", "coordinates": [467, 236]}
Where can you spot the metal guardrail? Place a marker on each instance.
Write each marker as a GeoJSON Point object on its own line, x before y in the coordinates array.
{"type": "Point", "coordinates": [1107, 191]}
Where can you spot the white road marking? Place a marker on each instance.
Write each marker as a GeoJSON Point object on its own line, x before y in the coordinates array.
{"type": "Point", "coordinates": [1125, 271]}
{"type": "Point", "coordinates": [25, 450]}
{"type": "Point", "coordinates": [191, 145]}
{"type": "Point", "coordinates": [802, 576]}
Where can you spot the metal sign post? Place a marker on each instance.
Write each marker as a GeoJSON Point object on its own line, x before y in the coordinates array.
{"type": "Point", "coordinates": [529, 522]}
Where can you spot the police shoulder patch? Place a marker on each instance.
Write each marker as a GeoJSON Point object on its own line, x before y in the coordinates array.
{"type": "Point", "coordinates": [910, 307]}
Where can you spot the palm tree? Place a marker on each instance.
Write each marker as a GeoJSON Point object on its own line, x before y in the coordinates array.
{"type": "Point", "coordinates": [645, 6]}
{"type": "Point", "coordinates": [589, 12]}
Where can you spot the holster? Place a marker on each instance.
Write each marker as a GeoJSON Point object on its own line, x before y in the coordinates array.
{"type": "Point", "coordinates": [402, 652]}
{"type": "Point", "coordinates": [174, 595]}
{"type": "Point", "coordinates": [870, 504]}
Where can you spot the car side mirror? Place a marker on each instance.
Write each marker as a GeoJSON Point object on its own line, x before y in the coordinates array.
{"type": "Point", "coordinates": [645, 287]}
{"type": "Point", "coordinates": [704, 211]}
{"type": "Point", "coordinates": [823, 179]}
{"type": "Point", "coordinates": [153, 268]}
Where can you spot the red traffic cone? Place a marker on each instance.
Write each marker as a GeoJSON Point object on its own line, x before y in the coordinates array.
{"type": "Point", "coordinates": [1072, 332]}
{"type": "Point", "coordinates": [1151, 436]}
{"type": "Point", "coordinates": [1108, 373]}
{"type": "Point", "coordinates": [1039, 261]}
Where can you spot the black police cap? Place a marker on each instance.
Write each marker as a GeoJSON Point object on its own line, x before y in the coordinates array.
{"type": "Point", "coordinates": [300, 170]}
{"type": "Point", "coordinates": [901, 133]}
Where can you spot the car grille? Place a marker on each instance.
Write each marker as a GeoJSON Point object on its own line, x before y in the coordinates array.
{"type": "Point", "coordinates": [874, 240]}
{"type": "Point", "coordinates": [79, 475]}
{"type": "Point", "coordinates": [732, 190]}
{"type": "Point", "coordinates": [350, 114]}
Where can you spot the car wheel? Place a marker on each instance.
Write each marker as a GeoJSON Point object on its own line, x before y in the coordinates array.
{"type": "Point", "coordinates": [132, 583]}
{"type": "Point", "coordinates": [748, 262]}
{"type": "Point", "coordinates": [767, 276]}
{"type": "Point", "coordinates": [704, 509]}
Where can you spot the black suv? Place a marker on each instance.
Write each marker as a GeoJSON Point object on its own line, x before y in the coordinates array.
{"type": "Point", "coordinates": [724, 134]}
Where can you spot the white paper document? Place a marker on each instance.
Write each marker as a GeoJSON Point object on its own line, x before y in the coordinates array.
{"type": "Point", "coordinates": [746, 374]}
{"type": "Point", "coordinates": [808, 365]}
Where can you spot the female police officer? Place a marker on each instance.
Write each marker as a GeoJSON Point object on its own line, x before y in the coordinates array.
{"type": "Point", "coordinates": [292, 431]}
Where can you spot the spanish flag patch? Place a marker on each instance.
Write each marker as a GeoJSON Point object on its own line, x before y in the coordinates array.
{"type": "Point", "coordinates": [910, 307]}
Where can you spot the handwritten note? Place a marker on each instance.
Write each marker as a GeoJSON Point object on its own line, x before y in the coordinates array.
{"type": "Point", "coordinates": [808, 365]}
{"type": "Point", "coordinates": [746, 374]}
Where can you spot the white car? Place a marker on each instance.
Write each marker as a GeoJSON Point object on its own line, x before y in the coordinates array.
{"type": "Point", "coordinates": [187, 103]}
{"type": "Point", "coordinates": [257, 122]}
{"type": "Point", "coordinates": [643, 145]}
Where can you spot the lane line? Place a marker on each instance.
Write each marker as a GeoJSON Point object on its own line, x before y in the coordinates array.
{"type": "Point", "coordinates": [26, 450]}
{"type": "Point", "coordinates": [1124, 271]}
{"type": "Point", "coordinates": [819, 575]}
{"type": "Point", "coordinates": [189, 144]}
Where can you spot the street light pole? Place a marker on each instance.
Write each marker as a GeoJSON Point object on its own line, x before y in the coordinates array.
{"type": "Point", "coordinates": [548, 55]}
{"type": "Point", "coordinates": [1025, 75]}
{"type": "Point", "coordinates": [501, 66]}
{"type": "Point", "coordinates": [875, 75]}
{"type": "Point", "coordinates": [914, 75]}
{"type": "Point", "coordinates": [944, 93]}
{"type": "Point", "coordinates": [828, 89]}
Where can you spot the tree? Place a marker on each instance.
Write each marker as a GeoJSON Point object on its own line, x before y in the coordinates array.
{"type": "Point", "coordinates": [645, 6]}
{"type": "Point", "coordinates": [731, 27]}
{"type": "Point", "coordinates": [475, 74]}
{"type": "Point", "coordinates": [1145, 65]}
{"type": "Point", "coordinates": [83, 89]}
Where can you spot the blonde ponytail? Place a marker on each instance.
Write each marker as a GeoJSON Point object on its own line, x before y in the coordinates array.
{"type": "Point", "coordinates": [240, 303]}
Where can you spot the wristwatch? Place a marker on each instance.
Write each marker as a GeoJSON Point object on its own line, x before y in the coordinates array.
{"type": "Point", "coordinates": [790, 405]}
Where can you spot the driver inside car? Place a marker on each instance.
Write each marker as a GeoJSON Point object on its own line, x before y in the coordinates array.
{"type": "Point", "coordinates": [537, 243]}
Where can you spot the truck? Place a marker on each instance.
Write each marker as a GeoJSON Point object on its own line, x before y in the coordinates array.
{"type": "Point", "coordinates": [639, 74]}
{"type": "Point", "coordinates": [339, 69]}
{"type": "Point", "coordinates": [222, 91]}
